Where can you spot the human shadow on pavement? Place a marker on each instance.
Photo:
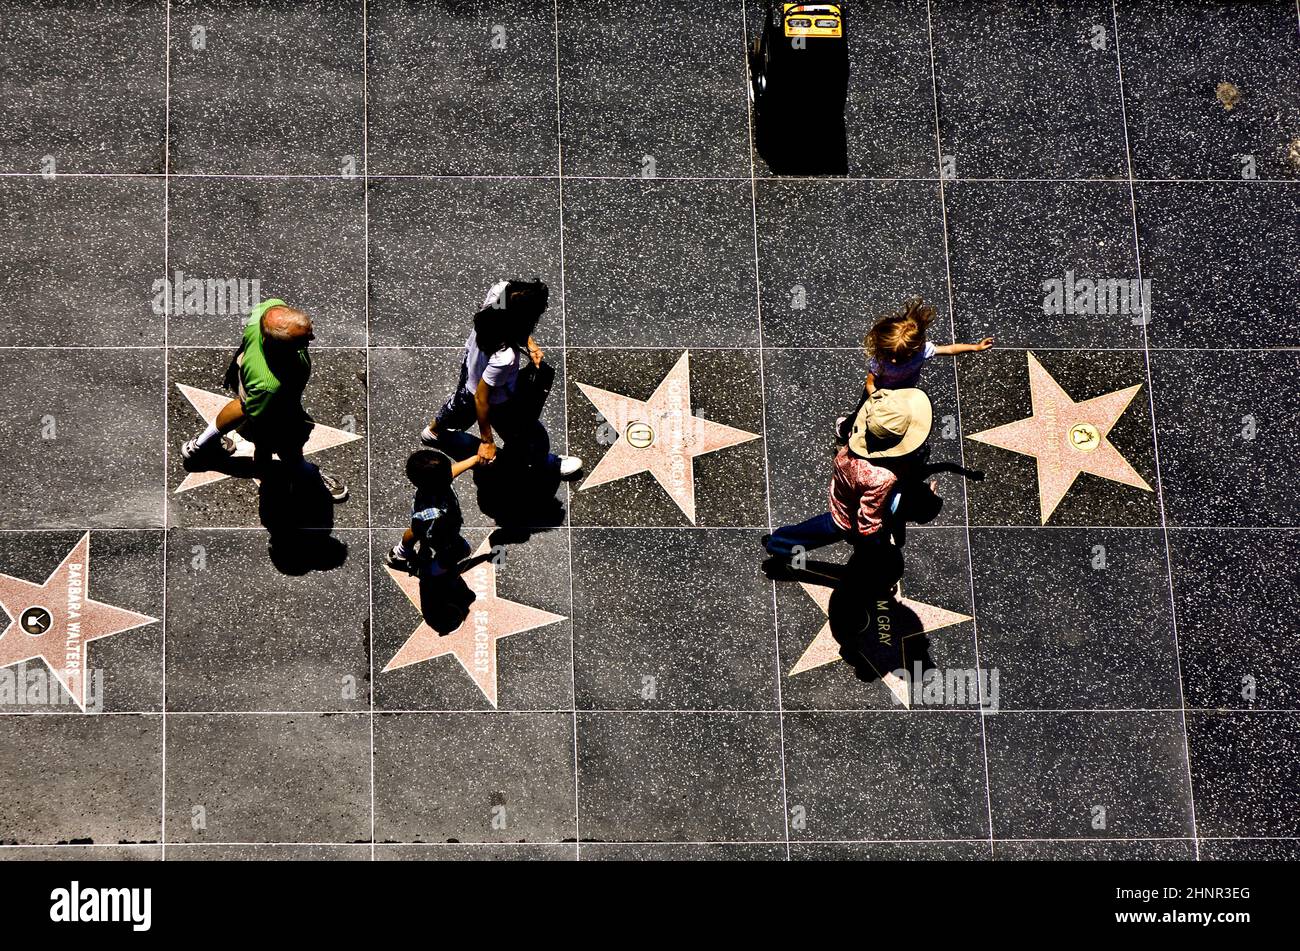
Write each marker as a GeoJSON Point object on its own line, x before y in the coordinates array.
{"type": "Point", "coordinates": [299, 523]}
{"type": "Point", "coordinates": [519, 497]}
{"type": "Point", "coordinates": [876, 632]}
{"type": "Point", "coordinates": [445, 598]}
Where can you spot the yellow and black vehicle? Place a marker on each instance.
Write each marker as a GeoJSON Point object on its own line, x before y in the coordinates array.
{"type": "Point", "coordinates": [798, 83]}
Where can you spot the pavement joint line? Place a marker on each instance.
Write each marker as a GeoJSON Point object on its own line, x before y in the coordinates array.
{"type": "Point", "coordinates": [661, 528]}
{"type": "Point", "coordinates": [961, 444]}
{"type": "Point", "coordinates": [568, 490]}
{"type": "Point", "coordinates": [657, 347]}
{"type": "Point", "coordinates": [811, 180]}
{"type": "Point", "coordinates": [166, 394]}
{"type": "Point", "coordinates": [370, 495]}
{"type": "Point", "coordinates": [762, 390]}
{"type": "Point", "coordinates": [1155, 433]}
{"type": "Point", "coordinates": [666, 711]}
{"type": "Point", "coordinates": [654, 843]}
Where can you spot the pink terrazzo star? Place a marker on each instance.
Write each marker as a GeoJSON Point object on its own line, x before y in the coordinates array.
{"type": "Point", "coordinates": [474, 643]}
{"type": "Point", "coordinates": [660, 436]}
{"type": "Point", "coordinates": [1066, 438]}
{"type": "Point", "coordinates": [56, 621]}
{"type": "Point", "coordinates": [208, 404]}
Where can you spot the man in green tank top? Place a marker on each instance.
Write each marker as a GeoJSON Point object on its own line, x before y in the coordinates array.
{"type": "Point", "coordinates": [270, 373]}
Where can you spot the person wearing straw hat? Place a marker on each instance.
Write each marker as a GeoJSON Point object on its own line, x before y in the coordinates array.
{"type": "Point", "coordinates": [890, 426]}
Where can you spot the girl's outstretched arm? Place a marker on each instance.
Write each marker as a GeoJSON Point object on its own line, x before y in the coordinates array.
{"type": "Point", "coordinates": [952, 349]}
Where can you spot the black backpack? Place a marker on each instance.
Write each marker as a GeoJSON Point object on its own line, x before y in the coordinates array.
{"type": "Point", "coordinates": [532, 387]}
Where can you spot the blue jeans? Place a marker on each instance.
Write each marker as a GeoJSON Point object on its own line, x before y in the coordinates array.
{"type": "Point", "coordinates": [816, 532]}
{"type": "Point", "coordinates": [822, 530]}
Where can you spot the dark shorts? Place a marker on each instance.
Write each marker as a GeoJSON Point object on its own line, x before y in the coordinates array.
{"type": "Point", "coordinates": [460, 412]}
{"type": "Point", "coordinates": [283, 436]}
{"type": "Point", "coordinates": [525, 438]}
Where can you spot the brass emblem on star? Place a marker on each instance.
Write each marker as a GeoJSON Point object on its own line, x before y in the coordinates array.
{"type": "Point", "coordinates": [1084, 437]}
{"type": "Point", "coordinates": [36, 621]}
{"type": "Point", "coordinates": [640, 435]}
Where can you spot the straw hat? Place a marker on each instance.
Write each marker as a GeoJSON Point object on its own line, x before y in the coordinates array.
{"type": "Point", "coordinates": [891, 423]}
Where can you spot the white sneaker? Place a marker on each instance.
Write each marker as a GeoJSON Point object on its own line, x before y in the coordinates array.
{"type": "Point", "coordinates": [335, 487]}
{"type": "Point", "coordinates": [192, 449]}
{"type": "Point", "coordinates": [570, 466]}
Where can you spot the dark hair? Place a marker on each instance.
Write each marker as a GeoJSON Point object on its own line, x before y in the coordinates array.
{"type": "Point", "coordinates": [512, 325]}
{"type": "Point", "coordinates": [428, 468]}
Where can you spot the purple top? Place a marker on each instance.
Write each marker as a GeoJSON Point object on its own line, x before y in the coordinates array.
{"type": "Point", "coordinates": [898, 376]}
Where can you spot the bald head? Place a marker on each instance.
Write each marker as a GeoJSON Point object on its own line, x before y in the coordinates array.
{"type": "Point", "coordinates": [286, 325]}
